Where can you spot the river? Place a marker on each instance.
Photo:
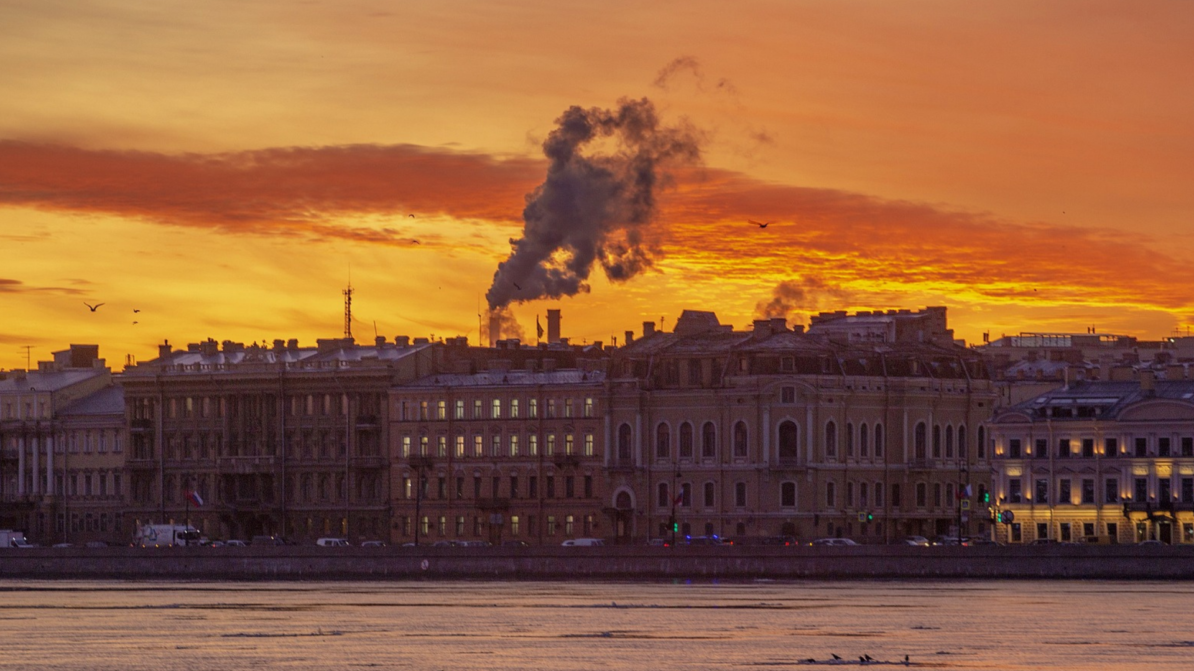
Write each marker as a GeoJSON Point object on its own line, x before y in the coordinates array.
{"type": "Point", "coordinates": [95, 625]}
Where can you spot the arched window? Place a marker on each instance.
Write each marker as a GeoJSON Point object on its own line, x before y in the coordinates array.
{"type": "Point", "coordinates": [685, 441]}
{"type": "Point", "coordinates": [662, 498]}
{"type": "Point", "coordinates": [710, 495]}
{"type": "Point", "coordinates": [982, 443]}
{"type": "Point", "coordinates": [708, 441]}
{"type": "Point", "coordinates": [789, 440]}
{"type": "Point", "coordinates": [663, 441]}
{"type": "Point", "coordinates": [787, 495]}
{"type": "Point", "coordinates": [962, 442]}
{"type": "Point", "coordinates": [740, 442]}
{"type": "Point", "coordinates": [624, 447]}
{"type": "Point", "coordinates": [830, 439]}
{"type": "Point", "coordinates": [878, 440]}
{"type": "Point", "coordinates": [936, 441]}
{"type": "Point", "coordinates": [949, 442]}
{"type": "Point", "coordinates": [919, 441]}
{"type": "Point", "coordinates": [622, 501]}
{"type": "Point", "coordinates": [864, 448]}
{"type": "Point", "coordinates": [849, 439]}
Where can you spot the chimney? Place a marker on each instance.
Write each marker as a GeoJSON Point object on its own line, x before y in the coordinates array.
{"type": "Point", "coordinates": [402, 341]}
{"type": "Point", "coordinates": [762, 328]}
{"type": "Point", "coordinates": [379, 341]}
{"type": "Point", "coordinates": [553, 326]}
{"type": "Point", "coordinates": [292, 344]}
{"type": "Point", "coordinates": [648, 329]}
{"type": "Point", "coordinates": [1148, 382]}
{"type": "Point", "coordinates": [279, 344]}
{"type": "Point", "coordinates": [164, 350]}
{"type": "Point", "coordinates": [629, 337]}
{"type": "Point", "coordinates": [495, 329]}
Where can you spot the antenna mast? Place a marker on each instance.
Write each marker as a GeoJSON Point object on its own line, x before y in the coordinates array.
{"type": "Point", "coordinates": [348, 310]}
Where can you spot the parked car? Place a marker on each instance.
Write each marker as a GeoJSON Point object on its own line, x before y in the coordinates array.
{"type": "Point", "coordinates": [332, 542]}
{"type": "Point", "coordinates": [582, 542]}
{"type": "Point", "coordinates": [1151, 543]}
{"type": "Point", "coordinates": [949, 540]}
{"type": "Point", "coordinates": [982, 540]}
{"type": "Point", "coordinates": [515, 544]}
{"type": "Point", "coordinates": [786, 541]}
{"type": "Point", "coordinates": [914, 540]}
{"type": "Point", "coordinates": [473, 544]}
{"type": "Point", "coordinates": [659, 543]}
{"type": "Point", "coordinates": [840, 542]}
{"type": "Point", "coordinates": [267, 540]}
{"type": "Point", "coordinates": [373, 544]}
{"type": "Point", "coordinates": [234, 543]}
{"type": "Point", "coordinates": [704, 540]}
{"type": "Point", "coordinates": [63, 545]}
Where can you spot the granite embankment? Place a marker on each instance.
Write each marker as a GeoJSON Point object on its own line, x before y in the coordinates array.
{"type": "Point", "coordinates": [602, 563]}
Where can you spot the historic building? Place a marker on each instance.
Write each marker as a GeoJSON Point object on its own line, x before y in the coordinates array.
{"type": "Point", "coordinates": [90, 477]}
{"type": "Point", "coordinates": [504, 444]}
{"type": "Point", "coordinates": [1107, 461]}
{"type": "Point", "coordinates": [31, 403]}
{"type": "Point", "coordinates": [276, 440]}
{"type": "Point", "coordinates": [869, 426]}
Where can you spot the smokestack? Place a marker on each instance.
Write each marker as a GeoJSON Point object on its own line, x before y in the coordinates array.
{"type": "Point", "coordinates": [164, 350]}
{"type": "Point", "coordinates": [553, 326]}
{"type": "Point", "coordinates": [495, 329]}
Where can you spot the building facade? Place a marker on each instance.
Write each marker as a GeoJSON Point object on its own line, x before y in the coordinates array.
{"type": "Point", "coordinates": [282, 440]}
{"type": "Point", "coordinates": [777, 431]}
{"type": "Point", "coordinates": [1105, 461]}
{"type": "Point", "coordinates": [90, 478]}
{"type": "Point", "coordinates": [510, 448]}
{"type": "Point", "coordinates": [31, 434]}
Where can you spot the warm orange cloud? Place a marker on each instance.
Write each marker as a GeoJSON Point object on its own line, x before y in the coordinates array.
{"type": "Point", "coordinates": [835, 237]}
{"type": "Point", "coordinates": [280, 191]}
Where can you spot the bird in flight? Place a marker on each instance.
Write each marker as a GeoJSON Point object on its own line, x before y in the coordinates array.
{"type": "Point", "coordinates": [93, 307]}
{"type": "Point", "coordinates": [136, 309]}
{"type": "Point", "coordinates": [411, 216]}
{"type": "Point", "coordinates": [415, 242]}
{"type": "Point", "coordinates": [135, 322]}
{"type": "Point", "coordinates": [761, 224]}
{"type": "Point", "coordinates": [516, 286]}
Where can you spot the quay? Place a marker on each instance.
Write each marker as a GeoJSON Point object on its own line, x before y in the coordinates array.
{"type": "Point", "coordinates": [633, 563]}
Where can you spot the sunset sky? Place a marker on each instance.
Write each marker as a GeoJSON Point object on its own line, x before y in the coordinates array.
{"type": "Point", "coordinates": [226, 167]}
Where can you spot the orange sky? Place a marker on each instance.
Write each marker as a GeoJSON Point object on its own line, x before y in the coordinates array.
{"type": "Point", "coordinates": [223, 167]}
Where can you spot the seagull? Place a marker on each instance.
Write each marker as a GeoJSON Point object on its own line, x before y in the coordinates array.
{"type": "Point", "coordinates": [761, 224]}
{"type": "Point", "coordinates": [835, 656]}
{"type": "Point", "coordinates": [861, 659]}
{"type": "Point", "coordinates": [136, 309]}
{"type": "Point", "coordinates": [869, 658]}
{"type": "Point", "coordinates": [136, 322]}
{"type": "Point", "coordinates": [415, 242]}
{"type": "Point", "coordinates": [93, 307]}
{"type": "Point", "coordinates": [411, 216]}
{"type": "Point", "coordinates": [905, 660]}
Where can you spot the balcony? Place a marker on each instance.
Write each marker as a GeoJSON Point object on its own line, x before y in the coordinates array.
{"type": "Point", "coordinates": [245, 465]}
{"type": "Point", "coordinates": [566, 460]}
{"type": "Point", "coordinates": [419, 461]}
{"type": "Point", "coordinates": [369, 462]}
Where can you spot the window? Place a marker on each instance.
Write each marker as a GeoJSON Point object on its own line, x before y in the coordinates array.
{"type": "Point", "coordinates": [895, 495]}
{"type": "Point", "coordinates": [588, 406]}
{"type": "Point", "coordinates": [551, 408]}
{"type": "Point", "coordinates": [1088, 450]}
{"type": "Point", "coordinates": [496, 409]}
{"type": "Point", "coordinates": [740, 440]}
{"type": "Point", "coordinates": [478, 409]}
{"type": "Point", "coordinates": [662, 499]}
{"type": "Point", "coordinates": [1110, 447]}
{"type": "Point", "coordinates": [787, 495]}
{"type": "Point", "coordinates": [551, 445]}
{"type": "Point", "coordinates": [533, 445]}
{"type": "Point", "coordinates": [533, 408]}
{"type": "Point", "coordinates": [878, 440]}
{"type": "Point", "coordinates": [1041, 451]}
{"type": "Point", "coordinates": [441, 446]}
{"type": "Point", "coordinates": [1142, 447]}
{"type": "Point", "coordinates": [787, 395]}
{"type": "Point", "coordinates": [422, 446]}
{"type": "Point", "coordinates": [513, 408]}
{"type": "Point", "coordinates": [495, 445]}
{"type": "Point", "coordinates": [551, 525]}
{"type": "Point", "coordinates": [663, 441]}
{"type": "Point", "coordinates": [1141, 492]}
{"type": "Point", "coordinates": [569, 446]}
{"type": "Point", "coordinates": [1063, 448]}
{"type": "Point", "coordinates": [422, 409]}
{"type": "Point", "coordinates": [1013, 448]}
{"type": "Point", "coordinates": [685, 441]}
{"type": "Point", "coordinates": [459, 446]}
{"type": "Point", "coordinates": [624, 446]}
{"type": "Point", "coordinates": [864, 449]}
{"type": "Point", "coordinates": [949, 442]}
{"type": "Point", "coordinates": [478, 445]}
{"type": "Point", "coordinates": [549, 484]}
{"type": "Point", "coordinates": [567, 407]}
{"type": "Point", "coordinates": [830, 495]}
{"type": "Point", "coordinates": [441, 410]}
{"type": "Point", "coordinates": [1014, 495]}
{"type": "Point", "coordinates": [1063, 491]}
{"type": "Point", "coordinates": [850, 494]}
{"type": "Point", "coordinates": [459, 412]}
{"type": "Point", "coordinates": [1111, 490]}
{"type": "Point", "coordinates": [569, 486]}
{"type": "Point", "coordinates": [936, 494]}
{"type": "Point", "coordinates": [686, 494]}
{"type": "Point", "coordinates": [1042, 491]}
{"type": "Point", "coordinates": [1162, 447]}
{"type": "Point", "coordinates": [936, 441]}
{"type": "Point", "coordinates": [740, 494]}
{"type": "Point", "coordinates": [830, 439]}
{"type": "Point", "coordinates": [878, 495]}
{"type": "Point", "coordinates": [1187, 490]}
{"type": "Point", "coordinates": [961, 442]}
{"type": "Point", "coordinates": [589, 447]}
{"type": "Point", "coordinates": [982, 442]}
{"type": "Point", "coordinates": [588, 486]}
{"type": "Point", "coordinates": [514, 445]}
{"type": "Point", "coordinates": [708, 441]}
{"type": "Point", "coordinates": [919, 436]}
{"type": "Point", "coordinates": [1017, 532]}
{"type": "Point", "coordinates": [789, 438]}
{"type": "Point", "coordinates": [1188, 447]}
{"type": "Point", "coordinates": [849, 439]}
{"type": "Point", "coordinates": [710, 491]}
{"type": "Point", "coordinates": [1088, 491]}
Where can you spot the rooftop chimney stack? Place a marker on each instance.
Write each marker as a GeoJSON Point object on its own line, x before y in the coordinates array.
{"type": "Point", "coordinates": [553, 326]}
{"type": "Point", "coordinates": [648, 329]}
{"type": "Point", "coordinates": [495, 329]}
{"type": "Point", "coordinates": [629, 337]}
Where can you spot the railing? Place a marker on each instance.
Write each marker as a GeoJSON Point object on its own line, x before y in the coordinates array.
{"type": "Point", "coordinates": [245, 464]}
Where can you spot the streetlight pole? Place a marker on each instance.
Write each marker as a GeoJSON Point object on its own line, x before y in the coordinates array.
{"type": "Point", "coordinates": [676, 496]}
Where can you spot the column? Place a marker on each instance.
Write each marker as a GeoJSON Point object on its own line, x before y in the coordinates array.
{"type": "Point", "coordinates": [21, 466]}
{"type": "Point", "coordinates": [36, 464]}
{"type": "Point", "coordinates": [50, 465]}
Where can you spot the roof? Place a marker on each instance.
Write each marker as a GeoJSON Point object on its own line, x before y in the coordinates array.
{"type": "Point", "coordinates": [510, 378]}
{"type": "Point", "coordinates": [197, 359]}
{"type": "Point", "coordinates": [39, 381]}
{"type": "Point", "coordinates": [1084, 400]}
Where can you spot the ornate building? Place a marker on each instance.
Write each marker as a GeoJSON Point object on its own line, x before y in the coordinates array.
{"type": "Point", "coordinates": [277, 440]}
{"type": "Point", "coordinates": [90, 478]}
{"type": "Point", "coordinates": [31, 481]}
{"type": "Point", "coordinates": [864, 427]}
{"type": "Point", "coordinates": [1105, 461]}
{"type": "Point", "coordinates": [509, 447]}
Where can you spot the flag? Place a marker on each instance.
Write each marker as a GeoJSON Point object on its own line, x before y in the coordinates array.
{"type": "Point", "coordinates": [964, 492]}
{"type": "Point", "coordinates": [538, 326]}
{"type": "Point", "coordinates": [194, 498]}
{"type": "Point", "coordinates": [678, 500]}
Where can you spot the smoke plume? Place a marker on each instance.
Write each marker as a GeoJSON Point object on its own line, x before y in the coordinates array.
{"type": "Point", "coordinates": [507, 326]}
{"type": "Point", "coordinates": [594, 208]}
{"type": "Point", "coordinates": [804, 295]}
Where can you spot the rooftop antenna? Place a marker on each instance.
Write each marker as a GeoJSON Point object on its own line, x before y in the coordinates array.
{"type": "Point", "coordinates": [28, 348]}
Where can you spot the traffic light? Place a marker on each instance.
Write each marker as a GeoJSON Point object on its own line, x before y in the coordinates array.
{"type": "Point", "coordinates": [986, 497]}
{"type": "Point", "coordinates": [870, 517]}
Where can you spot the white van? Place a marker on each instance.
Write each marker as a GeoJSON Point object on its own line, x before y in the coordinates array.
{"type": "Point", "coordinates": [332, 543]}
{"type": "Point", "coordinates": [582, 542]}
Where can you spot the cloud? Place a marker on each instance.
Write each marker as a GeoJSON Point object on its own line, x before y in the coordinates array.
{"type": "Point", "coordinates": [11, 286]}
{"type": "Point", "coordinates": [289, 191]}
{"type": "Point", "coordinates": [806, 294]}
{"type": "Point", "coordinates": [690, 65]}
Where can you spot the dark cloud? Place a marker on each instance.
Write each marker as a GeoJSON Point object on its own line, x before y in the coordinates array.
{"type": "Point", "coordinates": [595, 208]}
{"type": "Point", "coordinates": [10, 286]}
{"type": "Point", "coordinates": [807, 294]}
